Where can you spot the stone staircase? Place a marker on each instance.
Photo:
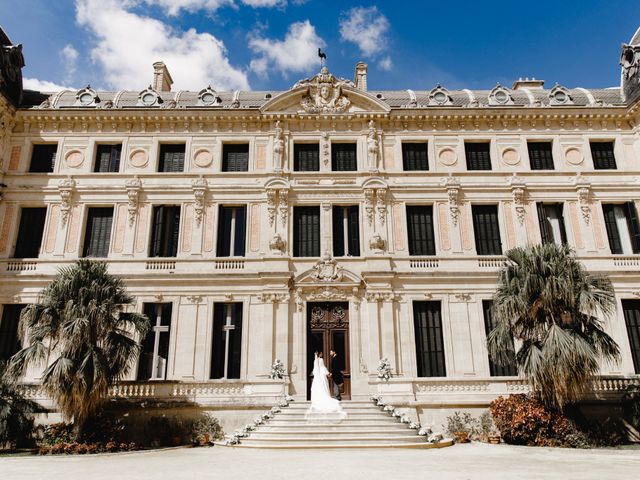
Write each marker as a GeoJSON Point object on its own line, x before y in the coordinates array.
{"type": "Point", "coordinates": [366, 426]}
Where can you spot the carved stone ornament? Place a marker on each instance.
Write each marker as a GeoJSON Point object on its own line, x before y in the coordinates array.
{"type": "Point", "coordinates": [273, 297]}
{"type": "Point", "coordinates": [453, 194]}
{"type": "Point", "coordinates": [324, 93]}
{"type": "Point", "coordinates": [277, 244]}
{"type": "Point", "coordinates": [11, 63]}
{"type": "Point", "coordinates": [368, 204]}
{"type": "Point", "coordinates": [278, 148]}
{"type": "Point", "coordinates": [376, 242]}
{"type": "Point", "coordinates": [327, 269]}
{"type": "Point", "coordinates": [381, 204]}
{"type": "Point", "coordinates": [199, 186]}
{"type": "Point", "coordinates": [65, 188]}
{"type": "Point", "coordinates": [519, 193]}
{"type": "Point", "coordinates": [133, 186]}
{"type": "Point", "coordinates": [271, 205]}
{"type": "Point", "coordinates": [373, 148]}
{"type": "Point", "coordinates": [283, 206]}
{"type": "Point", "coordinates": [584, 199]}
{"type": "Point", "coordinates": [630, 60]}
{"type": "Point", "coordinates": [326, 149]}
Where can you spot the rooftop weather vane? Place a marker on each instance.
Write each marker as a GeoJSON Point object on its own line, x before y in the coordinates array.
{"type": "Point", "coordinates": [323, 57]}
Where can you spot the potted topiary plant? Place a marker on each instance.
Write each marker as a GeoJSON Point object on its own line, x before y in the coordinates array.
{"type": "Point", "coordinates": [461, 426]}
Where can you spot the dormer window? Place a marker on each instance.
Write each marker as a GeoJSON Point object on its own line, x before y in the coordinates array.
{"type": "Point", "coordinates": [439, 96]}
{"type": "Point", "coordinates": [559, 96]}
{"type": "Point", "coordinates": [87, 97]}
{"type": "Point", "coordinates": [208, 97]}
{"type": "Point", "coordinates": [500, 96]}
{"type": "Point", "coordinates": [149, 97]}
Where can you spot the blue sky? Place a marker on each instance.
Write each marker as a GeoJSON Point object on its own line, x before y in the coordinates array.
{"type": "Point", "coordinates": [270, 44]}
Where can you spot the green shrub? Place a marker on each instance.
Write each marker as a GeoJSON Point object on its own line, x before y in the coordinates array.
{"type": "Point", "coordinates": [631, 405]}
{"type": "Point", "coordinates": [16, 414]}
{"type": "Point", "coordinates": [205, 430]}
{"type": "Point", "coordinates": [462, 423]}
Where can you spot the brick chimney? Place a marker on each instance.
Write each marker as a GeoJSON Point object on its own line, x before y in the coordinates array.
{"type": "Point", "coordinates": [162, 80]}
{"type": "Point", "coordinates": [361, 76]}
{"type": "Point", "coordinates": [527, 82]}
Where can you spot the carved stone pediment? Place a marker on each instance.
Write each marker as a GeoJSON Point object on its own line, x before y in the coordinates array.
{"type": "Point", "coordinates": [327, 272]}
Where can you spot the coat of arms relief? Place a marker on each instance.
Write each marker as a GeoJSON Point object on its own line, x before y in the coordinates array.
{"type": "Point", "coordinates": [324, 93]}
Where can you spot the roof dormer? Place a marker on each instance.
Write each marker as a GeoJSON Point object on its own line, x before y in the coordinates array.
{"type": "Point", "coordinates": [500, 96]}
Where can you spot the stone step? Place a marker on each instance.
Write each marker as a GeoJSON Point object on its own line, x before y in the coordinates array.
{"type": "Point", "coordinates": [330, 434]}
{"type": "Point", "coordinates": [323, 445]}
{"type": "Point", "coordinates": [327, 440]}
{"type": "Point", "coordinates": [272, 427]}
{"type": "Point", "coordinates": [300, 421]}
{"type": "Point", "coordinates": [350, 411]}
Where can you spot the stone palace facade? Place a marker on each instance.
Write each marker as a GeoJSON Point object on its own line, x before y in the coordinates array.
{"type": "Point", "coordinates": [255, 226]}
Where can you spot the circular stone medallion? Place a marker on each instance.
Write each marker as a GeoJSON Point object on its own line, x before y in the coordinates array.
{"type": "Point", "coordinates": [203, 158]}
{"type": "Point", "coordinates": [74, 158]}
{"type": "Point", "coordinates": [138, 158]}
{"type": "Point", "coordinates": [574, 155]}
{"type": "Point", "coordinates": [447, 156]}
{"type": "Point", "coordinates": [510, 156]}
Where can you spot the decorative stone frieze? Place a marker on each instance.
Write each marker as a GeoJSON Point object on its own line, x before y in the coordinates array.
{"type": "Point", "coordinates": [583, 189]}
{"type": "Point", "coordinates": [324, 93]}
{"type": "Point", "coordinates": [382, 296]}
{"type": "Point", "coordinates": [65, 189]}
{"type": "Point", "coordinates": [452, 185]}
{"type": "Point", "coordinates": [283, 206]}
{"type": "Point", "coordinates": [327, 269]}
{"type": "Point", "coordinates": [267, 297]}
{"type": "Point", "coordinates": [519, 193]}
{"type": "Point", "coordinates": [326, 149]}
{"type": "Point", "coordinates": [199, 186]}
{"type": "Point", "coordinates": [381, 204]}
{"type": "Point", "coordinates": [271, 205]}
{"type": "Point", "coordinates": [368, 204]}
{"type": "Point", "coordinates": [133, 186]}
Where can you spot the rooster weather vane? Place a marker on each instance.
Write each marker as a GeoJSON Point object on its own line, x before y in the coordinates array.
{"type": "Point", "coordinates": [323, 57]}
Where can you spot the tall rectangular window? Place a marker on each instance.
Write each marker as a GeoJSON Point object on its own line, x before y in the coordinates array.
{"type": "Point", "coordinates": [631, 309]}
{"type": "Point", "coordinates": [551, 223]}
{"type": "Point", "coordinates": [232, 231]}
{"type": "Point", "coordinates": [420, 230]}
{"type": "Point", "coordinates": [429, 342]}
{"type": "Point", "coordinates": [154, 354]}
{"type": "Point", "coordinates": [343, 157]}
{"type": "Point", "coordinates": [540, 155]}
{"type": "Point", "coordinates": [98, 232]}
{"type": "Point", "coordinates": [306, 231]}
{"type": "Point", "coordinates": [306, 157]}
{"type": "Point", "coordinates": [43, 158]}
{"type": "Point", "coordinates": [108, 158]}
{"type": "Point", "coordinates": [478, 155]}
{"type": "Point", "coordinates": [346, 231]}
{"type": "Point", "coordinates": [166, 227]}
{"type": "Point", "coordinates": [623, 230]}
{"type": "Point", "coordinates": [30, 232]}
{"type": "Point", "coordinates": [415, 156]}
{"type": "Point", "coordinates": [9, 341]}
{"type": "Point", "coordinates": [495, 369]}
{"type": "Point", "coordinates": [235, 157]}
{"type": "Point", "coordinates": [226, 347]}
{"type": "Point", "coordinates": [603, 156]}
{"type": "Point", "coordinates": [486, 229]}
{"type": "Point", "coordinates": [172, 157]}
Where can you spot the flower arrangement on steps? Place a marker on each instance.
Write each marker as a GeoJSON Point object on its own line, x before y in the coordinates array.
{"type": "Point", "coordinates": [244, 432]}
{"type": "Point", "coordinates": [426, 432]}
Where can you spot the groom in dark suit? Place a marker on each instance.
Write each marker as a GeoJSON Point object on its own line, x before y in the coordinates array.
{"type": "Point", "coordinates": [336, 375]}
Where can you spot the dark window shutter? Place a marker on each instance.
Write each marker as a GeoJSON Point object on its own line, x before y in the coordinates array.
{"type": "Point", "coordinates": [224, 231]}
{"type": "Point", "coordinates": [353, 214]}
{"type": "Point", "coordinates": [420, 230]}
{"type": "Point", "coordinates": [241, 227]}
{"type": "Point", "coordinates": [98, 232]}
{"type": "Point", "coordinates": [166, 229]}
{"type": "Point", "coordinates": [495, 369]}
{"type": "Point", "coordinates": [9, 341]}
{"type": "Point", "coordinates": [486, 229]}
{"type": "Point", "coordinates": [415, 156]}
{"type": "Point", "coordinates": [43, 158]}
{"type": "Point", "coordinates": [545, 232]}
{"type": "Point", "coordinates": [631, 309]}
{"type": "Point", "coordinates": [603, 156]}
{"type": "Point", "coordinates": [172, 157]}
{"type": "Point", "coordinates": [429, 341]}
{"type": "Point", "coordinates": [234, 354]}
{"type": "Point", "coordinates": [563, 232]}
{"type": "Point", "coordinates": [173, 231]}
{"type": "Point", "coordinates": [108, 158]}
{"type": "Point", "coordinates": [338, 231]}
{"type": "Point", "coordinates": [634, 229]}
{"type": "Point", "coordinates": [540, 155]}
{"type": "Point", "coordinates": [478, 156]}
{"type": "Point", "coordinates": [235, 157]}
{"type": "Point", "coordinates": [158, 228]}
{"type": "Point", "coordinates": [235, 342]}
{"type": "Point", "coordinates": [218, 343]}
{"type": "Point", "coordinates": [306, 231]}
{"type": "Point", "coordinates": [30, 232]}
{"type": "Point", "coordinates": [306, 157]}
{"type": "Point", "coordinates": [145, 361]}
{"type": "Point", "coordinates": [343, 157]}
{"type": "Point", "coordinates": [612, 228]}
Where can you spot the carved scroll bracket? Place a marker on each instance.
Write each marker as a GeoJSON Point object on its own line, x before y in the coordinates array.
{"type": "Point", "coordinates": [200, 187]}
{"type": "Point", "coordinates": [133, 186]}
{"type": "Point", "coordinates": [66, 188]}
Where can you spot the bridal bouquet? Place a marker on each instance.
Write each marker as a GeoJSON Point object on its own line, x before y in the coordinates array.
{"type": "Point", "coordinates": [384, 369]}
{"type": "Point", "coordinates": [277, 370]}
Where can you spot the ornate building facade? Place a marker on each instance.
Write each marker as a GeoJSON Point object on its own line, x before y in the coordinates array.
{"type": "Point", "coordinates": [255, 226]}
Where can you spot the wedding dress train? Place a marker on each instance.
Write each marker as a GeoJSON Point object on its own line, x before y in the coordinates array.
{"type": "Point", "coordinates": [323, 406]}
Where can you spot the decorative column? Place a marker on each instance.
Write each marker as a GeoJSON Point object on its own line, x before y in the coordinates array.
{"type": "Point", "coordinates": [199, 187]}
{"type": "Point", "coordinates": [519, 193]}
{"type": "Point", "coordinates": [583, 191]}
{"type": "Point", "coordinates": [66, 188]}
{"type": "Point", "coordinates": [452, 184]}
{"type": "Point", "coordinates": [133, 187]}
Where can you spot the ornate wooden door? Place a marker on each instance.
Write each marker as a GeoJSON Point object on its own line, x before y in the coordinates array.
{"type": "Point", "coordinates": [328, 329]}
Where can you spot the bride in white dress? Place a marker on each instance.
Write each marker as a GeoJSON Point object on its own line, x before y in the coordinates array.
{"type": "Point", "coordinates": [322, 405]}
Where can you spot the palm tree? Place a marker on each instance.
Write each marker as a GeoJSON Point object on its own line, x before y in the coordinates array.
{"type": "Point", "coordinates": [547, 301]}
{"type": "Point", "coordinates": [81, 326]}
{"type": "Point", "coordinates": [16, 413]}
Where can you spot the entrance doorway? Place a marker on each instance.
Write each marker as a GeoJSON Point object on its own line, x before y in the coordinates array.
{"type": "Point", "coordinates": [328, 329]}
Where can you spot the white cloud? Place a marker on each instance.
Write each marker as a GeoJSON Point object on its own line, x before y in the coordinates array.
{"type": "Point", "coordinates": [367, 28]}
{"type": "Point", "coordinates": [173, 7]}
{"type": "Point", "coordinates": [69, 57]}
{"type": "Point", "coordinates": [298, 52]}
{"type": "Point", "coordinates": [385, 63]}
{"type": "Point", "coordinates": [128, 43]}
{"type": "Point", "coordinates": [43, 85]}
